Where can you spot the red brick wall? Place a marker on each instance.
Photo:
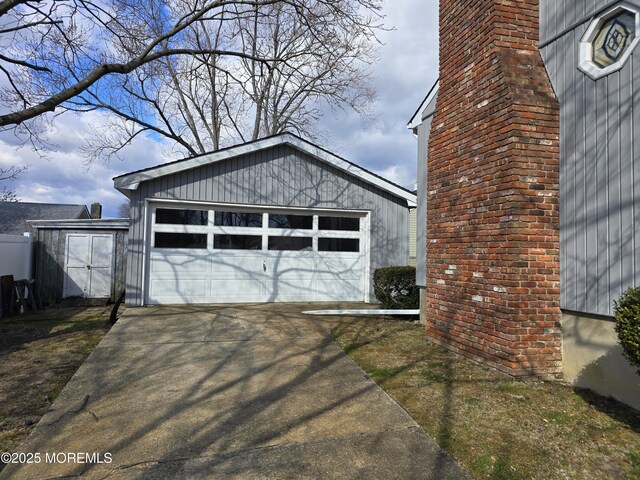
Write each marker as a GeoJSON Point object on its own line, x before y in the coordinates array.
{"type": "Point", "coordinates": [492, 224]}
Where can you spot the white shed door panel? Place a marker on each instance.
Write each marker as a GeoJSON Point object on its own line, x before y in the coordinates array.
{"type": "Point", "coordinates": [88, 265]}
{"type": "Point", "coordinates": [77, 260]}
{"type": "Point", "coordinates": [214, 275]}
{"type": "Point", "coordinates": [101, 266]}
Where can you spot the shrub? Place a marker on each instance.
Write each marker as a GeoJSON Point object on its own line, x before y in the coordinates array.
{"type": "Point", "coordinates": [627, 313]}
{"type": "Point", "coordinates": [395, 287]}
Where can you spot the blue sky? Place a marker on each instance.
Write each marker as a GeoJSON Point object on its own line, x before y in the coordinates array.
{"type": "Point", "coordinates": [407, 69]}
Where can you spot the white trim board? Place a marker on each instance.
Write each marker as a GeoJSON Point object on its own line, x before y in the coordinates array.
{"type": "Point", "coordinates": [418, 117]}
{"type": "Point", "coordinates": [88, 223]}
{"type": "Point", "coordinates": [176, 203]}
{"type": "Point", "coordinates": [363, 312]}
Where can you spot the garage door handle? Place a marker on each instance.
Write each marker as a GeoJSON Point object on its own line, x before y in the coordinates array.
{"type": "Point", "coordinates": [88, 267]}
{"type": "Point", "coordinates": [264, 266]}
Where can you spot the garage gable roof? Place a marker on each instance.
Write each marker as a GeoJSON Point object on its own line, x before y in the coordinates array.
{"type": "Point", "coordinates": [131, 181]}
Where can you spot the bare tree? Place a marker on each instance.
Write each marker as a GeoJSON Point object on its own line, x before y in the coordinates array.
{"type": "Point", "coordinates": [123, 210]}
{"type": "Point", "coordinates": [325, 61]}
{"type": "Point", "coordinates": [11, 174]}
{"type": "Point", "coordinates": [53, 51]}
{"type": "Point", "coordinates": [116, 54]}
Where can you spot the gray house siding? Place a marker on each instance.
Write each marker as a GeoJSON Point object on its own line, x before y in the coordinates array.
{"type": "Point", "coordinates": [280, 176]}
{"type": "Point", "coordinates": [600, 164]}
{"type": "Point", "coordinates": [557, 16]}
{"type": "Point", "coordinates": [421, 241]}
{"type": "Point", "coordinates": [422, 131]}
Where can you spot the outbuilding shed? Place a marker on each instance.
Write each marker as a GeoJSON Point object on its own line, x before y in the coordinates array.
{"type": "Point", "coordinates": [80, 258]}
{"type": "Point", "coordinates": [278, 219]}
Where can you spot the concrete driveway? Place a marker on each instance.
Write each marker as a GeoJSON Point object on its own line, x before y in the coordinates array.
{"type": "Point", "coordinates": [251, 391]}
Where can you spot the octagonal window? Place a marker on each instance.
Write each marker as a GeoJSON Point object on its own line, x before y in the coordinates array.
{"type": "Point", "coordinates": [610, 40]}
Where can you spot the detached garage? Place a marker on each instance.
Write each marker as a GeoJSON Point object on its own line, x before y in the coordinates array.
{"type": "Point", "coordinates": [278, 219]}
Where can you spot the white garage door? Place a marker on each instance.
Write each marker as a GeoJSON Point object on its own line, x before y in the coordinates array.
{"type": "Point", "coordinates": [233, 254]}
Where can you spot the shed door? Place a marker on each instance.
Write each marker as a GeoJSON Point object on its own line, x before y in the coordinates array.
{"type": "Point", "coordinates": [235, 254]}
{"type": "Point", "coordinates": [88, 265]}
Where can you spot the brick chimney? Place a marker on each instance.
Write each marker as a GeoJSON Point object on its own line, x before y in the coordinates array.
{"type": "Point", "coordinates": [96, 211]}
{"type": "Point", "coordinates": [492, 224]}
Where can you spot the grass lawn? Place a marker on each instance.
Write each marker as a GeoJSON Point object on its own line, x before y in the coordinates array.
{"type": "Point", "coordinates": [39, 352]}
{"type": "Point", "coordinates": [497, 428]}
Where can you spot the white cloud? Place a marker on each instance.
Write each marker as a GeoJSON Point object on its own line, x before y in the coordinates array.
{"type": "Point", "coordinates": [390, 153]}
{"type": "Point", "coordinates": [63, 176]}
{"type": "Point", "coordinates": [409, 63]}
{"type": "Point", "coordinates": [407, 69]}
{"type": "Point", "coordinates": [399, 175]}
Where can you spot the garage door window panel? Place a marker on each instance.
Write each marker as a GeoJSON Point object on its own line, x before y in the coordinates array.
{"type": "Point", "coordinates": [171, 216]}
{"type": "Point", "coordinates": [338, 245]}
{"type": "Point", "coordinates": [180, 240]}
{"type": "Point", "coordinates": [292, 222]}
{"type": "Point", "coordinates": [291, 243]}
{"type": "Point", "coordinates": [349, 224]}
{"type": "Point", "coordinates": [237, 242]}
{"type": "Point", "coordinates": [238, 219]}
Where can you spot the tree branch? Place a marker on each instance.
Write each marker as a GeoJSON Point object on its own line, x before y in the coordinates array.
{"type": "Point", "coordinates": [50, 104]}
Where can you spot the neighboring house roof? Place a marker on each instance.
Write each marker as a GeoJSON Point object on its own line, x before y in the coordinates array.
{"type": "Point", "coordinates": [426, 108]}
{"type": "Point", "coordinates": [14, 215]}
{"type": "Point", "coordinates": [130, 181]}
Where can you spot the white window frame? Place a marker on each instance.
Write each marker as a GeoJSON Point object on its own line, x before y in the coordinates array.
{"type": "Point", "coordinates": [586, 63]}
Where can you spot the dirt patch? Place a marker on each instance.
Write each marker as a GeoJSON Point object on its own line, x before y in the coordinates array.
{"type": "Point", "coordinates": [498, 428]}
{"type": "Point", "coordinates": [39, 353]}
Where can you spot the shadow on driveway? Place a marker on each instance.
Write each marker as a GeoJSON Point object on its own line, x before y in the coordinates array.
{"type": "Point", "coordinates": [249, 391]}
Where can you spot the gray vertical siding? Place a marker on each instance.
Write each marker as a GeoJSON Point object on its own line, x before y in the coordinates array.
{"type": "Point", "coordinates": [556, 16]}
{"type": "Point", "coordinates": [281, 176]}
{"type": "Point", "coordinates": [600, 165]}
{"type": "Point", "coordinates": [135, 247]}
{"type": "Point", "coordinates": [423, 152]}
{"type": "Point", "coordinates": [421, 242]}
{"type": "Point", "coordinates": [421, 216]}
